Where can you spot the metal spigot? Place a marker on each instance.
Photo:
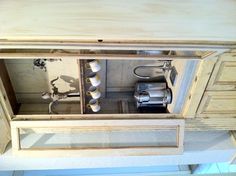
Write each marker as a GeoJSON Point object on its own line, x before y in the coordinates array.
{"type": "Point", "coordinates": [165, 67]}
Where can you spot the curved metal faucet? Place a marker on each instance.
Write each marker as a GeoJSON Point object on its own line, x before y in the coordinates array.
{"type": "Point", "coordinates": [165, 67]}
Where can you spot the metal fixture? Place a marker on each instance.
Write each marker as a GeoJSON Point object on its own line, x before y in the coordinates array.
{"type": "Point", "coordinates": [55, 96]}
{"type": "Point", "coordinates": [173, 76]}
{"type": "Point", "coordinates": [152, 94]}
{"type": "Point", "coordinates": [161, 69]}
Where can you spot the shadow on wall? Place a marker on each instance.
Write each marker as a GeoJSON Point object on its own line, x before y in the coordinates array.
{"type": "Point", "coordinates": [29, 81]}
{"type": "Point", "coordinates": [73, 83]}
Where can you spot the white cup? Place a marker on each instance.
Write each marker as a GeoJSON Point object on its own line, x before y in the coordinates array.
{"type": "Point", "coordinates": [94, 92]}
{"type": "Point", "coordinates": [94, 105]}
{"type": "Point", "coordinates": [94, 79]}
{"type": "Point", "coordinates": [93, 65]}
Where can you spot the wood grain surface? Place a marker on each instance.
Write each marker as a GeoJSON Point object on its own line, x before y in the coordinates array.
{"type": "Point", "coordinates": [204, 20]}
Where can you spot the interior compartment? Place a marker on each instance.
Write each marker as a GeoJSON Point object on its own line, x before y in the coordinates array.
{"type": "Point", "coordinates": [30, 82]}
{"type": "Point", "coordinates": [118, 87]}
{"type": "Point", "coordinates": [35, 80]}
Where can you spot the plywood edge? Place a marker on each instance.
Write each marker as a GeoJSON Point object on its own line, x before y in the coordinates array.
{"type": "Point", "coordinates": [5, 103]}
{"type": "Point", "coordinates": [7, 89]}
{"type": "Point", "coordinates": [97, 116]}
{"type": "Point", "coordinates": [96, 123]}
{"type": "Point", "coordinates": [198, 87]}
{"type": "Point", "coordinates": [5, 136]}
{"type": "Point", "coordinates": [118, 45]}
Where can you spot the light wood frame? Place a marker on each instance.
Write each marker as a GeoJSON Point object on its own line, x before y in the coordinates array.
{"type": "Point", "coordinates": [178, 124]}
{"type": "Point", "coordinates": [190, 107]}
{"type": "Point", "coordinates": [226, 60]}
{"type": "Point", "coordinates": [220, 96]}
{"type": "Point", "coordinates": [205, 67]}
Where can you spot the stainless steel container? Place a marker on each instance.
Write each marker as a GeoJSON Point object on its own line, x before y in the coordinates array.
{"type": "Point", "coordinates": [150, 94]}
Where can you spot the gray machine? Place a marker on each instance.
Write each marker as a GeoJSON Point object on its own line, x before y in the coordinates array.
{"type": "Point", "coordinates": [152, 96]}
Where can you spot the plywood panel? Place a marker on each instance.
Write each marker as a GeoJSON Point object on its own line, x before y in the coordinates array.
{"type": "Point", "coordinates": [118, 20]}
{"type": "Point", "coordinates": [218, 103]}
{"type": "Point", "coordinates": [223, 76]}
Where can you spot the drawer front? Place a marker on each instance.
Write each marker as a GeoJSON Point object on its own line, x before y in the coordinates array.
{"type": "Point", "coordinates": [224, 74]}
{"type": "Point", "coordinates": [216, 103]}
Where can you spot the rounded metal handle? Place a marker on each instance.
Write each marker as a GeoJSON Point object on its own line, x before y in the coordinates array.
{"type": "Point", "coordinates": [166, 65]}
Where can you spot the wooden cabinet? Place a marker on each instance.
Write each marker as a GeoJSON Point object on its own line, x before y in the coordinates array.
{"type": "Point", "coordinates": [140, 35]}
{"type": "Point", "coordinates": [224, 74]}
{"type": "Point", "coordinates": [119, 117]}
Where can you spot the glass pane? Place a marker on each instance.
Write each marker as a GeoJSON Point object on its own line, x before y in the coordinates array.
{"type": "Point", "coordinates": [109, 138]}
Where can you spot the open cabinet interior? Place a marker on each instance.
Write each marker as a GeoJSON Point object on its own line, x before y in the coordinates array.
{"type": "Point", "coordinates": [120, 82]}
{"type": "Point", "coordinates": [32, 84]}
{"type": "Point", "coordinates": [138, 86]}
{"type": "Point", "coordinates": [105, 85]}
